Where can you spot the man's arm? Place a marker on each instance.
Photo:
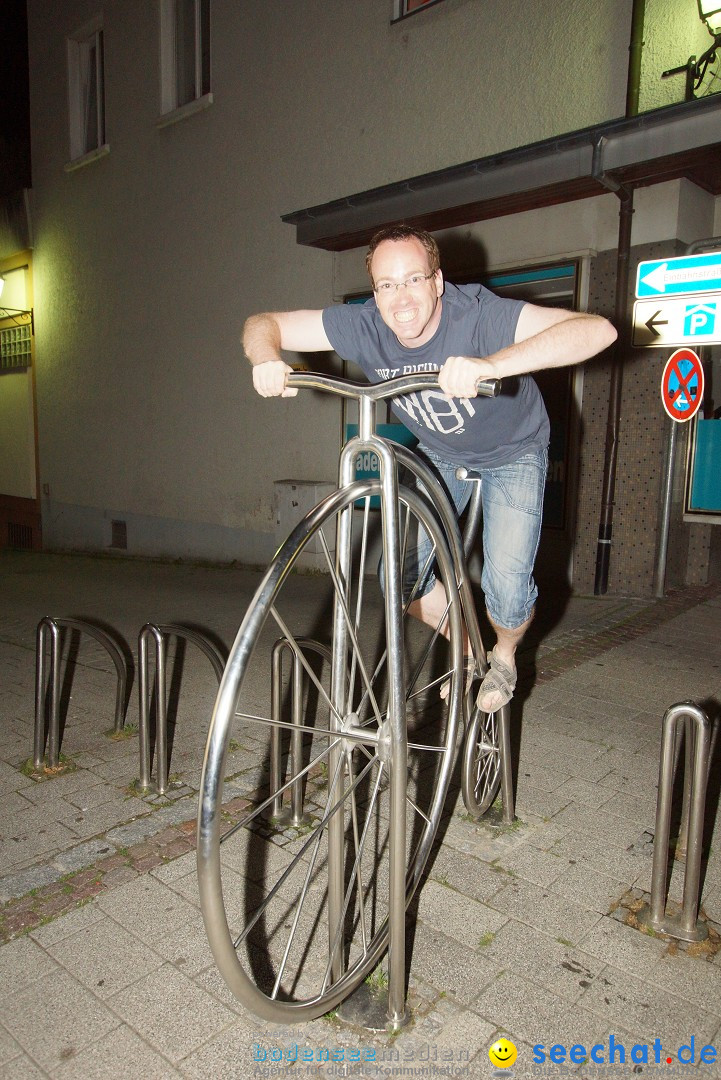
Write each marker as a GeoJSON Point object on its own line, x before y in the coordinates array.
{"type": "Point", "coordinates": [545, 338]}
{"type": "Point", "coordinates": [267, 334]}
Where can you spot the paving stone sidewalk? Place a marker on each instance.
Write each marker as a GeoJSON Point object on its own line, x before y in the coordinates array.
{"type": "Point", "coordinates": [529, 930]}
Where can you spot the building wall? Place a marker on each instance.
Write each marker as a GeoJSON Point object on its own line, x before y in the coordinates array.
{"type": "Point", "coordinates": [675, 214]}
{"type": "Point", "coordinates": [672, 33]}
{"type": "Point", "coordinates": [147, 262]}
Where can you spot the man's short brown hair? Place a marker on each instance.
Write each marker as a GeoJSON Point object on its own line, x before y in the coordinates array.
{"type": "Point", "coordinates": [405, 232]}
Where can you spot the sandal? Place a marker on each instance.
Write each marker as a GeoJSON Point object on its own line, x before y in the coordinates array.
{"type": "Point", "coordinates": [499, 679]}
{"type": "Point", "coordinates": [469, 670]}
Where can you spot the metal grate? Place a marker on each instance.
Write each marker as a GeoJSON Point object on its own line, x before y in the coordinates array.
{"type": "Point", "coordinates": [20, 536]}
{"type": "Point", "coordinates": [15, 347]}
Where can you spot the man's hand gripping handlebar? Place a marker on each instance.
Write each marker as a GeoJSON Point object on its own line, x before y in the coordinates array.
{"type": "Point", "coordinates": [275, 378]}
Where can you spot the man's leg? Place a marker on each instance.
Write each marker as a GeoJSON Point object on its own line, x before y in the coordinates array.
{"type": "Point", "coordinates": [512, 510]}
{"type": "Point", "coordinates": [432, 608]}
{"type": "Point", "coordinates": [507, 641]}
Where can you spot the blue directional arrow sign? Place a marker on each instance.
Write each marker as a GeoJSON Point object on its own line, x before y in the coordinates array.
{"type": "Point", "coordinates": [683, 276]}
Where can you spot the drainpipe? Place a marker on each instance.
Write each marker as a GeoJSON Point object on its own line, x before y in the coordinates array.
{"type": "Point", "coordinates": [605, 525]}
{"type": "Point", "coordinates": [635, 50]}
{"type": "Point", "coordinates": [625, 195]}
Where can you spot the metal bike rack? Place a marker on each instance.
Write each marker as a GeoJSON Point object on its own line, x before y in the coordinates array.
{"type": "Point", "coordinates": [159, 632]}
{"type": "Point", "coordinates": [686, 926]}
{"type": "Point", "coordinates": [49, 628]}
{"type": "Point", "coordinates": [293, 815]}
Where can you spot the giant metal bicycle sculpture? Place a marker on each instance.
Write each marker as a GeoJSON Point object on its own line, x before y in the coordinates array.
{"type": "Point", "coordinates": [297, 917]}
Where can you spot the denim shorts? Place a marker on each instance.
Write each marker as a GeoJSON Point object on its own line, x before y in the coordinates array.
{"type": "Point", "coordinates": [512, 500]}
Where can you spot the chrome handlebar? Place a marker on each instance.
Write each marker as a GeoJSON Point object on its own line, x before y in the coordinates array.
{"type": "Point", "coordinates": [402, 384]}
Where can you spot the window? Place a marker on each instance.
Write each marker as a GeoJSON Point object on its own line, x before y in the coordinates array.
{"type": "Point", "coordinates": [401, 8]}
{"type": "Point", "coordinates": [86, 83]}
{"type": "Point", "coordinates": [184, 52]}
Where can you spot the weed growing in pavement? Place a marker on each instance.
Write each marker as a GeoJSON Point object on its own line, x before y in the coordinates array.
{"type": "Point", "coordinates": [48, 772]}
{"type": "Point", "coordinates": [377, 981]}
{"type": "Point", "coordinates": [126, 732]}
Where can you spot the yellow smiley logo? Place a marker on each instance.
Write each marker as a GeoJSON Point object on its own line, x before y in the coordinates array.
{"type": "Point", "coordinates": [503, 1053]}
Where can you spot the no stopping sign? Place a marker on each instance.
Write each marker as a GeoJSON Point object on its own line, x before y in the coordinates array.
{"type": "Point", "coordinates": [682, 385]}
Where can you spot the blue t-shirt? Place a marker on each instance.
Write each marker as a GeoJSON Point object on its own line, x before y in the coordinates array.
{"type": "Point", "coordinates": [479, 432]}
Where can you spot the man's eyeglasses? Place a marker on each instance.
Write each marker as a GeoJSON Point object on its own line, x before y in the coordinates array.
{"type": "Point", "coordinates": [388, 288]}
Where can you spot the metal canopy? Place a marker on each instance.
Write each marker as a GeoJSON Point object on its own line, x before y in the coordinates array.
{"type": "Point", "coordinates": [677, 141]}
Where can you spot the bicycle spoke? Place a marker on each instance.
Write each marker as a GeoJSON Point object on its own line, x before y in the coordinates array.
{"type": "Point", "coordinates": [298, 908]}
{"type": "Point", "coordinates": [288, 725]}
{"type": "Point", "coordinates": [414, 806]}
{"type": "Point", "coordinates": [381, 663]}
{"type": "Point", "coordinates": [298, 652]}
{"type": "Point", "coordinates": [349, 891]}
{"type": "Point", "coordinates": [271, 798]}
{"type": "Point", "coordinates": [340, 596]}
{"type": "Point", "coordinates": [357, 849]}
{"type": "Point", "coordinates": [288, 871]}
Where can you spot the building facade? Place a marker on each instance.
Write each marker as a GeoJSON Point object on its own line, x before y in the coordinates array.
{"type": "Point", "coordinates": [195, 161]}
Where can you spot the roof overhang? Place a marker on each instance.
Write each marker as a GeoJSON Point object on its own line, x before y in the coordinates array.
{"type": "Point", "coordinates": [666, 144]}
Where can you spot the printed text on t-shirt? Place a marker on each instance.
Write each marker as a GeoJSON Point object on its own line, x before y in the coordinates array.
{"type": "Point", "coordinates": [431, 408]}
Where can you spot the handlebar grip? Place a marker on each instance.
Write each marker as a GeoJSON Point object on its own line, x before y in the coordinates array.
{"type": "Point", "coordinates": [488, 387]}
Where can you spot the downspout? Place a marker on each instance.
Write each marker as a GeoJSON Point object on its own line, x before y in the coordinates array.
{"type": "Point", "coordinates": [625, 195]}
{"type": "Point", "coordinates": [608, 488]}
{"type": "Point", "coordinates": [635, 51]}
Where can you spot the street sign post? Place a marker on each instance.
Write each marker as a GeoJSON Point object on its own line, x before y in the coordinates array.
{"type": "Point", "coordinates": [688, 320]}
{"type": "Point", "coordinates": [682, 385]}
{"type": "Point", "coordinates": [685, 275]}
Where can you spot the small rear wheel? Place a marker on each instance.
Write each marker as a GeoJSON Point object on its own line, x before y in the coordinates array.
{"type": "Point", "coordinates": [481, 773]}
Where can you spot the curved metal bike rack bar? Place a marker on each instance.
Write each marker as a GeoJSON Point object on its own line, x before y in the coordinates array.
{"type": "Point", "coordinates": [293, 815]}
{"type": "Point", "coordinates": [49, 628]}
{"type": "Point", "coordinates": [686, 926]}
{"type": "Point", "coordinates": [159, 632]}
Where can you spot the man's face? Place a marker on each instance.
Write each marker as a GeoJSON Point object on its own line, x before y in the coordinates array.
{"type": "Point", "coordinates": [413, 312]}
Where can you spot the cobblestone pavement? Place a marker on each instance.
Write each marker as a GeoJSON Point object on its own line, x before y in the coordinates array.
{"type": "Point", "coordinates": [528, 930]}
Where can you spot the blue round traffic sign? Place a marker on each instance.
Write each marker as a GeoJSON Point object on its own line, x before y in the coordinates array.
{"type": "Point", "coordinates": [682, 385]}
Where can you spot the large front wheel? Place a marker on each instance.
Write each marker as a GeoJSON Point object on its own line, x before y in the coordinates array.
{"type": "Point", "coordinates": [285, 949]}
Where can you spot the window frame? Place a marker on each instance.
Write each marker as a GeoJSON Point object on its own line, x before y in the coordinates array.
{"type": "Point", "coordinates": [401, 11]}
{"type": "Point", "coordinates": [86, 46]}
{"type": "Point", "coordinates": [171, 106]}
